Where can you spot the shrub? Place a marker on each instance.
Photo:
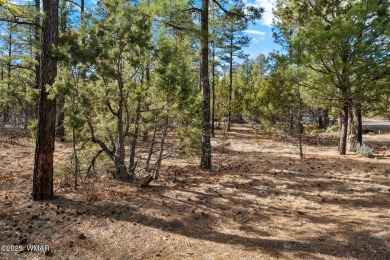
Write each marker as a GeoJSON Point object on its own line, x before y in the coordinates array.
{"type": "Point", "coordinates": [33, 127]}
{"type": "Point", "coordinates": [365, 150]}
{"type": "Point", "coordinates": [332, 129]}
{"type": "Point", "coordinates": [310, 128]}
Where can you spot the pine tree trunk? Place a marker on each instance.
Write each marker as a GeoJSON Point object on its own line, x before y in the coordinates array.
{"type": "Point", "coordinates": [7, 108]}
{"type": "Point", "coordinates": [160, 156]}
{"type": "Point", "coordinates": [151, 147]}
{"type": "Point", "coordinates": [326, 118]}
{"type": "Point", "coordinates": [132, 164]}
{"type": "Point", "coordinates": [299, 123]}
{"type": "Point", "coordinates": [61, 101]}
{"type": "Point", "coordinates": [76, 160]}
{"type": "Point", "coordinates": [291, 122]}
{"type": "Point", "coordinates": [357, 115]}
{"type": "Point", "coordinates": [213, 100]}
{"type": "Point", "coordinates": [120, 153]}
{"type": "Point", "coordinates": [61, 117]}
{"type": "Point", "coordinates": [44, 151]}
{"type": "Point", "coordinates": [37, 37]}
{"type": "Point", "coordinates": [230, 84]}
{"type": "Point", "coordinates": [344, 129]}
{"type": "Point", "coordinates": [205, 162]}
{"type": "Point", "coordinates": [352, 130]}
{"type": "Point", "coordinates": [321, 124]}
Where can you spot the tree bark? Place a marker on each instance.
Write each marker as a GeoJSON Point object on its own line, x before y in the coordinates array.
{"type": "Point", "coordinates": [326, 118]}
{"type": "Point", "coordinates": [299, 123]}
{"type": "Point", "coordinates": [160, 156]}
{"type": "Point", "coordinates": [7, 108]}
{"type": "Point", "coordinates": [151, 147]}
{"type": "Point", "coordinates": [76, 160]}
{"type": "Point", "coordinates": [132, 164]}
{"type": "Point", "coordinates": [44, 151]}
{"type": "Point", "coordinates": [205, 162]}
{"type": "Point", "coordinates": [213, 92]}
{"type": "Point", "coordinates": [344, 129]}
{"type": "Point", "coordinates": [321, 124]}
{"type": "Point", "coordinates": [357, 115]}
{"type": "Point", "coordinates": [119, 161]}
{"type": "Point", "coordinates": [352, 130]}
{"type": "Point", "coordinates": [230, 84]}
{"type": "Point", "coordinates": [37, 39]}
{"type": "Point", "coordinates": [37, 36]}
{"type": "Point", "coordinates": [61, 101]}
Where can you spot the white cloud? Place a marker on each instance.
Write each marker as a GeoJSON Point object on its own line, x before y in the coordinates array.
{"type": "Point", "coordinates": [255, 32]}
{"type": "Point", "coordinates": [267, 5]}
{"type": "Point", "coordinates": [262, 35]}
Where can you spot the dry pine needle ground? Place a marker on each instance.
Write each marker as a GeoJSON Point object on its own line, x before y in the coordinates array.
{"type": "Point", "coordinates": [259, 202]}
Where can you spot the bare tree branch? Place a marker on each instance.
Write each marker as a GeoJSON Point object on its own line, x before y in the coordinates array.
{"type": "Point", "coordinates": [100, 142]}
{"type": "Point", "coordinates": [16, 21]}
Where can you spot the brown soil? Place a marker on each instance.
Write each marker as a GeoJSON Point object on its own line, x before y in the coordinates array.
{"type": "Point", "coordinates": [259, 202]}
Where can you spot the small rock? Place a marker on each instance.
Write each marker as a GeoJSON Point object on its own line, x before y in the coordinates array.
{"type": "Point", "coordinates": [82, 236]}
{"type": "Point", "coordinates": [49, 253]}
{"type": "Point", "coordinates": [23, 241]}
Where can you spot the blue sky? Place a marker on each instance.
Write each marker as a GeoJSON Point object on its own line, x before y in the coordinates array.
{"type": "Point", "coordinates": [261, 32]}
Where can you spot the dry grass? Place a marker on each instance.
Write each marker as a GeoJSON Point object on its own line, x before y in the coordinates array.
{"type": "Point", "coordinates": [259, 202]}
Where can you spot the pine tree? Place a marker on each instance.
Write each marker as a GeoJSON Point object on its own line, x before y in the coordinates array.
{"type": "Point", "coordinates": [232, 40]}
{"type": "Point", "coordinates": [342, 44]}
{"type": "Point", "coordinates": [44, 151]}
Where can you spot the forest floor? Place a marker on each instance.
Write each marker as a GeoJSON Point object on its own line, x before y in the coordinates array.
{"type": "Point", "coordinates": [260, 201]}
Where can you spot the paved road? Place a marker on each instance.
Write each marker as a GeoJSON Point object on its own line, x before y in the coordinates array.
{"type": "Point", "coordinates": [376, 127]}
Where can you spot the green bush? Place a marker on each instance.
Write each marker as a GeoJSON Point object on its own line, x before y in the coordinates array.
{"type": "Point", "coordinates": [33, 127]}
{"type": "Point", "coordinates": [332, 129]}
{"type": "Point", "coordinates": [309, 128]}
{"type": "Point", "coordinates": [189, 141]}
{"type": "Point", "coordinates": [365, 150]}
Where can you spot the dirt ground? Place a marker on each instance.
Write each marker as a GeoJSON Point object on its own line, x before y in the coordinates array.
{"type": "Point", "coordinates": [260, 201]}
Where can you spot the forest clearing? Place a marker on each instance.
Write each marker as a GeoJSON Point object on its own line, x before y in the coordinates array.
{"type": "Point", "coordinates": [260, 201]}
